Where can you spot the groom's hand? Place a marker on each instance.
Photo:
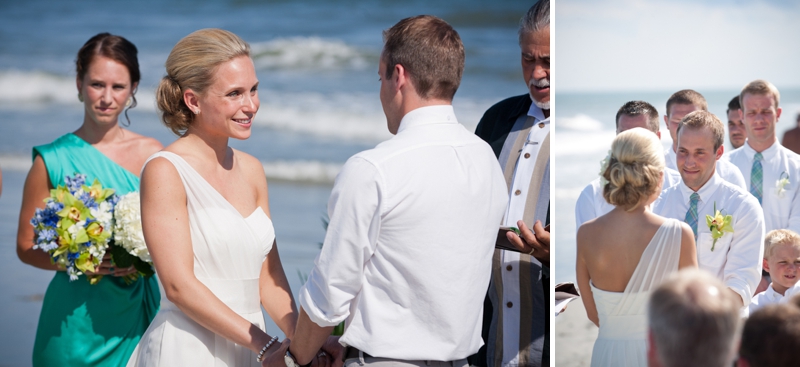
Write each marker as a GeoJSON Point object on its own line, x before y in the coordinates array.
{"type": "Point", "coordinates": [334, 350]}
{"type": "Point", "coordinates": [274, 358]}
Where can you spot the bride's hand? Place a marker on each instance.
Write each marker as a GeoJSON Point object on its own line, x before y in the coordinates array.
{"type": "Point", "coordinates": [107, 268]}
{"type": "Point", "coordinates": [335, 351]}
{"type": "Point", "coordinates": [274, 357]}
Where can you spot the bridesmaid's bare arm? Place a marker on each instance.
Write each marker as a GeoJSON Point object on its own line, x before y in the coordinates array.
{"type": "Point", "coordinates": [36, 189]}
{"type": "Point", "coordinates": [165, 221]}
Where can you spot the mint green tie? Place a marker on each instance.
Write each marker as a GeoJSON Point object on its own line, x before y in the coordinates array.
{"type": "Point", "coordinates": [757, 177]}
{"type": "Point", "coordinates": [691, 215]}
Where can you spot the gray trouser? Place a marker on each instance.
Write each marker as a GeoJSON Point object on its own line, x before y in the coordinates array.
{"type": "Point", "coordinates": [388, 362]}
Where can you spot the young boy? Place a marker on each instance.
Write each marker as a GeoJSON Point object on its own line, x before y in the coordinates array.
{"type": "Point", "coordinates": [782, 262]}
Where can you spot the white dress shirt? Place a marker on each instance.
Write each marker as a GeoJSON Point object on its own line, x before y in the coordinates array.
{"type": "Point", "coordinates": [523, 171]}
{"type": "Point", "coordinates": [407, 256]}
{"type": "Point", "coordinates": [781, 209]}
{"type": "Point", "coordinates": [726, 170]}
{"type": "Point", "coordinates": [767, 297]}
{"type": "Point", "coordinates": [736, 258]}
{"type": "Point", "coordinates": [591, 203]}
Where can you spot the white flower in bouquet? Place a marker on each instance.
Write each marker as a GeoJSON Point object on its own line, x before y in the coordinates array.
{"type": "Point", "coordinates": [128, 227]}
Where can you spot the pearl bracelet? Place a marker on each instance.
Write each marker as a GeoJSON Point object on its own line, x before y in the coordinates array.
{"type": "Point", "coordinates": [260, 357]}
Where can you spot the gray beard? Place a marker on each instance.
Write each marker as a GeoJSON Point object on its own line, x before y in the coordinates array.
{"type": "Point", "coordinates": [542, 105]}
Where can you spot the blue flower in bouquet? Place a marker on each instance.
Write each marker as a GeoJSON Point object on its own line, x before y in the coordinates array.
{"type": "Point", "coordinates": [75, 225]}
{"type": "Point", "coordinates": [74, 183]}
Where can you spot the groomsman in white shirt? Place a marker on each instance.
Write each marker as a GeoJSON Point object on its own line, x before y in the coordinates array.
{"type": "Point", "coordinates": [736, 131]}
{"type": "Point", "coordinates": [680, 104]}
{"type": "Point", "coordinates": [591, 203]}
{"type": "Point", "coordinates": [407, 256]}
{"type": "Point", "coordinates": [733, 255]}
{"type": "Point", "coordinates": [771, 172]}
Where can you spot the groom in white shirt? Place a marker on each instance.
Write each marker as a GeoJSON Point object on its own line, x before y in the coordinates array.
{"type": "Point", "coordinates": [771, 172]}
{"type": "Point", "coordinates": [408, 252]}
{"type": "Point", "coordinates": [734, 254]}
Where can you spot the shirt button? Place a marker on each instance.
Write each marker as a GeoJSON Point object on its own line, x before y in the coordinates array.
{"type": "Point", "coordinates": [527, 155]}
{"type": "Point", "coordinates": [509, 304]}
{"type": "Point", "coordinates": [509, 267]}
{"type": "Point", "coordinates": [517, 192]}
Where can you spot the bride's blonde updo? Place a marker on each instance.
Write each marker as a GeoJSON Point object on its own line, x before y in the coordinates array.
{"type": "Point", "coordinates": [634, 168]}
{"type": "Point", "coordinates": [191, 65]}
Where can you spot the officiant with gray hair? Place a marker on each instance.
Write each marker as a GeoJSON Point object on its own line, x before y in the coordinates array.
{"type": "Point", "coordinates": [516, 311]}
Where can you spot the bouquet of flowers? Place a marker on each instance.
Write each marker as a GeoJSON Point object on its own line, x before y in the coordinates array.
{"type": "Point", "coordinates": [75, 225]}
{"type": "Point", "coordinates": [130, 249]}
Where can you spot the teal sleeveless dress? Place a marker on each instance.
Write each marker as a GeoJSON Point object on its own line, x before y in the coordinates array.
{"type": "Point", "coordinates": [83, 324]}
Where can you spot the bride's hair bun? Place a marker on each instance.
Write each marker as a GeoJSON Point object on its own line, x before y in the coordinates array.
{"type": "Point", "coordinates": [192, 64]}
{"type": "Point", "coordinates": [634, 168]}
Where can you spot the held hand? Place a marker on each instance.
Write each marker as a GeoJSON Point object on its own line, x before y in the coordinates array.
{"type": "Point", "coordinates": [274, 357]}
{"type": "Point", "coordinates": [107, 268]}
{"type": "Point", "coordinates": [335, 351]}
{"type": "Point", "coordinates": [536, 242]}
{"type": "Point", "coordinates": [322, 359]}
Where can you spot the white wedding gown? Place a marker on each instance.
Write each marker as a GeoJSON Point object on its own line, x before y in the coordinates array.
{"type": "Point", "coordinates": [229, 250]}
{"type": "Point", "coordinates": [623, 316]}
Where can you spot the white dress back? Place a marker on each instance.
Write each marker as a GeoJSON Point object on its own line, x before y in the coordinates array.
{"type": "Point", "coordinates": [621, 340]}
{"type": "Point", "coordinates": [229, 250]}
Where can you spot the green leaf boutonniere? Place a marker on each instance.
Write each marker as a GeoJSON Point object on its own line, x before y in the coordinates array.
{"type": "Point", "coordinates": [718, 224]}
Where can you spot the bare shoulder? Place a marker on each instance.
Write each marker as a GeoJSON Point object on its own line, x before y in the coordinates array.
{"type": "Point", "coordinates": [251, 166]}
{"type": "Point", "coordinates": [142, 145]}
{"type": "Point", "coordinates": [159, 169]}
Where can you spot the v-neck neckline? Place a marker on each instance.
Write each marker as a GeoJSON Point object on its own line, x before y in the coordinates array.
{"type": "Point", "coordinates": [214, 189]}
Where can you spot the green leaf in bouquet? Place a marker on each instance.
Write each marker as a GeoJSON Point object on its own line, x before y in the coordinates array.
{"type": "Point", "coordinates": [144, 268]}
{"type": "Point", "coordinates": [119, 256]}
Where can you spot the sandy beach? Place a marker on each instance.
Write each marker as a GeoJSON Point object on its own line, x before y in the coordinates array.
{"type": "Point", "coordinates": [575, 336]}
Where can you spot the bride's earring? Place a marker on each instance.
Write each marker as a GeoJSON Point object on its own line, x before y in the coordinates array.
{"type": "Point", "coordinates": [128, 103]}
{"type": "Point", "coordinates": [80, 97]}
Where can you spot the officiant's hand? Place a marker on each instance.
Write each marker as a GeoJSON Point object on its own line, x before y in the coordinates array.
{"type": "Point", "coordinates": [335, 351]}
{"type": "Point", "coordinates": [536, 242]}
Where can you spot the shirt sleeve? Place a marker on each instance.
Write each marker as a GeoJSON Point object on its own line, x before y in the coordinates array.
{"type": "Point", "coordinates": [354, 211]}
{"type": "Point", "coordinates": [743, 266]}
{"type": "Point", "coordinates": [584, 207]}
{"type": "Point", "coordinates": [794, 211]}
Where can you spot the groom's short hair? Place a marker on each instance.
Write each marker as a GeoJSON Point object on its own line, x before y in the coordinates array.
{"type": "Point", "coordinates": [700, 119]}
{"type": "Point", "coordinates": [431, 52]}
{"type": "Point", "coordinates": [693, 320]}
{"type": "Point", "coordinates": [637, 108]}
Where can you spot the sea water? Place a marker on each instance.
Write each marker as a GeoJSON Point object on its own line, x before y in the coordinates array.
{"type": "Point", "coordinates": [584, 129]}
{"type": "Point", "coordinates": [317, 64]}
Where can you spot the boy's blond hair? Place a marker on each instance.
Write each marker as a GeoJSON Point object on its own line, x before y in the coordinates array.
{"type": "Point", "coordinates": [780, 237]}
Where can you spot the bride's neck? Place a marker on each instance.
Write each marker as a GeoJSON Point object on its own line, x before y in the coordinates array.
{"type": "Point", "coordinates": [209, 145]}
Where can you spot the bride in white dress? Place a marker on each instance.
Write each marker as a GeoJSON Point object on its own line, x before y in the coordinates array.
{"type": "Point", "coordinates": [623, 255]}
{"type": "Point", "coordinates": [205, 215]}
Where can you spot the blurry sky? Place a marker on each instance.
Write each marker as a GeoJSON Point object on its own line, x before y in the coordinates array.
{"type": "Point", "coordinates": [618, 45]}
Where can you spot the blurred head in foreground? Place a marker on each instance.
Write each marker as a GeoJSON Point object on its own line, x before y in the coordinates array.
{"type": "Point", "coordinates": [693, 321]}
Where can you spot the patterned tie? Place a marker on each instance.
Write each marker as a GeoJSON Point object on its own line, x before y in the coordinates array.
{"type": "Point", "coordinates": [757, 177]}
{"type": "Point", "coordinates": [691, 215]}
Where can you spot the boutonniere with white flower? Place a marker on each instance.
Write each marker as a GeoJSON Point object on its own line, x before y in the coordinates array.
{"type": "Point", "coordinates": [718, 224]}
{"type": "Point", "coordinates": [603, 167]}
{"type": "Point", "coordinates": [781, 184]}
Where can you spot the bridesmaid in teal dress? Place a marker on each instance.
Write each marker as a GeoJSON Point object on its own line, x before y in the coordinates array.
{"type": "Point", "coordinates": [83, 324]}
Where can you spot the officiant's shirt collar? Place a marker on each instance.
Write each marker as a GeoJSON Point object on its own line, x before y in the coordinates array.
{"type": "Point", "coordinates": [439, 114]}
{"type": "Point", "coordinates": [536, 112]}
{"type": "Point", "coordinates": [705, 192]}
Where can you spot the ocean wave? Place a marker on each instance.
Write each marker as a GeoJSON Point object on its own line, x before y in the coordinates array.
{"type": "Point", "coordinates": [305, 171]}
{"type": "Point", "coordinates": [580, 122]}
{"type": "Point", "coordinates": [310, 53]}
{"type": "Point", "coordinates": [22, 89]}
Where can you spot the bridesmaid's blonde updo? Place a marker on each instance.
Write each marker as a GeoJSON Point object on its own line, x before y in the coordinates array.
{"type": "Point", "coordinates": [634, 168]}
{"type": "Point", "coordinates": [191, 65]}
